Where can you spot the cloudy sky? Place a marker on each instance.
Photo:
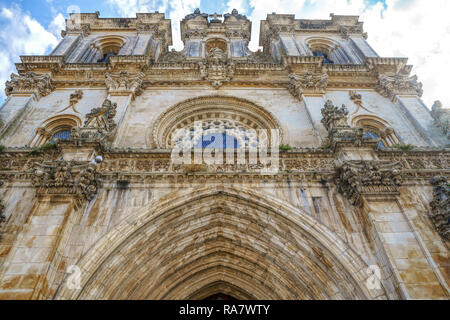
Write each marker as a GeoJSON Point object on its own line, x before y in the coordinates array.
{"type": "Point", "coordinates": [417, 29]}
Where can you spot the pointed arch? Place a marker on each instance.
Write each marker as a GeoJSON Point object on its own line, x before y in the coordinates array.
{"type": "Point", "coordinates": [225, 240]}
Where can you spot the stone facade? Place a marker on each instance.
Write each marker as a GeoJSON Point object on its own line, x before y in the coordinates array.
{"type": "Point", "coordinates": [92, 205]}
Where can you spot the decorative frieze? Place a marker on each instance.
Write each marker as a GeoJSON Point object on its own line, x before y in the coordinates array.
{"type": "Point", "coordinates": [125, 83]}
{"type": "Point", "coordinates": [29, 83]}
{"type": "Point", "coordinates": [440, 206]}
{"type": "Point", "coordinates": [364, 178]}
{"type": "Point", "coordinates": [391, 86]}
{"type": "Point", "coordinates": [307, 83]}
{"type": "Point", "coordinates": [66, 178]}
{"type": "Point", "coordinates": [217, 68]}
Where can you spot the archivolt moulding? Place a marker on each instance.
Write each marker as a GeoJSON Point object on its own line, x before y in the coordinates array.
{"type": "Point", "coordinates": [243, 113]}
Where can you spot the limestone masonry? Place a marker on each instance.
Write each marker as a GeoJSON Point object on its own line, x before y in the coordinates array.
{"type": "Point", "coordinates": [92, 205]}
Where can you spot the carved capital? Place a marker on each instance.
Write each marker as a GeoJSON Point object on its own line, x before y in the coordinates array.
{"type": "Point", "coordinates": [440, 206]}
{"type": "Point", "coordinates": [125, 83]}
{"type": "Point", "coordinates": [66, 178]}
{"type": "Point", "coordinates": [307, 83]}
{"type": "Point", "coordinates": [391, 86]}
{"type": "Point", "coordinates": [356, 179]}
{"type": "Point", "coordinates": [29, 83]}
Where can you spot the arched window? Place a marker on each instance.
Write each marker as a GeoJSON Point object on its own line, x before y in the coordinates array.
{"type": "Point", "coordinates": [58, 127]}
{"type": "Point", "coordinates": [106, 47]}
{"type": "Point", "coordinates": [375, 128]}
{"type": "Point", "coordinates": [223, 122]}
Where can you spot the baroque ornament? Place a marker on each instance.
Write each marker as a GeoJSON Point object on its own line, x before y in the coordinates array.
{"type": "Point", "coordinates": [359, 178]}
{"type": "Point", "coordinates": [98, 126]}
{"type": "Point", "coordinates": [308, 82]}
{"type": "Point", "coordinates": [74, 98]}
{"type": "Point", "coordinates": [125, 83]}
{"type": "Point", "coordinates": [29, 83]}
{"type": "Point", "coordinates": [441, 118]}
{"type": "Point", "coordinates": [334, 117]}
{"type": "Point", "coordinates": [217, 68]}
{"type": "Point", "coordinates": [440, 206]}
{"type": "Point", "coordinates": [391, 86]}
{"type": "Point", "coordinates": [357, 99]}
{"type": "Point", "coordinates": [62, 177]}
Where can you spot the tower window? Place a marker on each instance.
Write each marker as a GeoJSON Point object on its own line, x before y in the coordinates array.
{"type": "Point", "coordinates": [320, 53]}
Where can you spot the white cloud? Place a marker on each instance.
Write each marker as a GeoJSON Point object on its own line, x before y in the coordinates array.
{"type": "Point", "coordinates": [239, 5]}
{"type": "Point", "coordinates": [417, 29]}
{"type": "Point", "coordinates": [58, 24]}
{"type": "Point", "coordinates": [20, 35]}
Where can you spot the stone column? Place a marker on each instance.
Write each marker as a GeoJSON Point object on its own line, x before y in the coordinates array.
{"type": "Point", "coordinates": [22, 90]}
{"type": "Point", "coordinates": [123, 87]}
{"type": "Point", "coordinates": [373, 186]}
{"type": "Point", "coordinates": [35, 266]}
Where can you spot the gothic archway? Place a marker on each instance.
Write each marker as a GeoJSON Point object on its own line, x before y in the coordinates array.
{"type": "Point", "coordinates": [233, 113]}
{"type": "Point", "coordinates": [220, 240]}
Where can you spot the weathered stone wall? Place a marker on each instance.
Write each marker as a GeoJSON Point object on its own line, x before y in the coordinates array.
{"type": "Point", "coordinates": [111, 201]}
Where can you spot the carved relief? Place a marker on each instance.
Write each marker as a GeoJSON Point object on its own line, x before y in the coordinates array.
{"type": "Point", "coordinates": [62, 177]}
{"type": "Point", "coordinates": [125, 83]}
{"type": "Point", "coordinates": [440, 206]}
{"type": "Point", "coordinates": [217, 68]}
{"type": "Point", "coordinates": [333, 117]}
{"type": "Point", "coordinates": [98, 126]}
{"type": "Point", "coordinates": [357, 99]}
{"type": "Point", "coordinates": [73, 100]}
{"type": "Point", "coordinates": [441, 118]}
{"type": "Point", "coordinates": [29, 83]}
{"type": "Point", "coordinates": [391, 86]}
{"type": "Point", "coordinates": [359, 178]}
{"type": "Point", "coordinates": [172, 56]}
{"type": "Point", "coordinates": [308, 82]}
{"type": "Point", "coordinates": [335, 120]}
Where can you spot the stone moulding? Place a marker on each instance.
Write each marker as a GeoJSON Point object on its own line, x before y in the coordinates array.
{"type": "Point", "coordinates": [125, 83]}
{"type": "Point", "coordinates": [391, 86]}
{"type": "Point", "coordinates": [29, 83]}
{"type": "Point", "coordinates": [356, 179]}
{"type": "Point", "coordinates": [217, 68]}
{"type": "Point", "coordinates": [247, 111]}
{"type": "Point", "coordinates": [66, 178]}
{"type": "Point", "coordinates": [307, 83]}
{"type": "Point", "coordinates": [440, 206]}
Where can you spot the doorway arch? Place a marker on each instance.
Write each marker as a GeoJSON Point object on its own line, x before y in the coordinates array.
{"type": "Point", "coordinates": [221, 240]}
